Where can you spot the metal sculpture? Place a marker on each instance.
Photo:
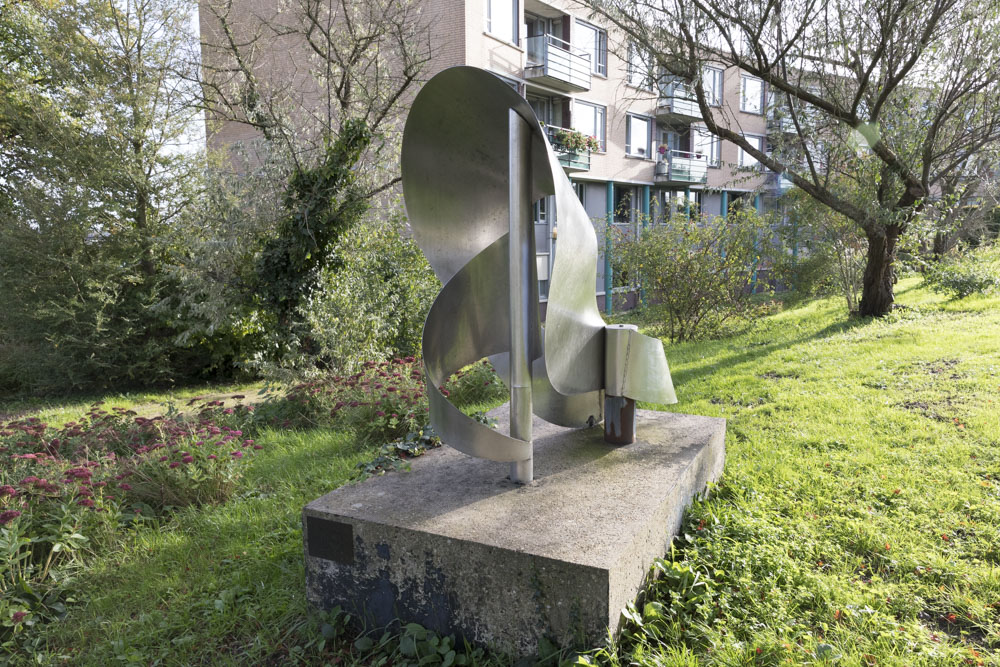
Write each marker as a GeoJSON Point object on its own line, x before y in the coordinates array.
{"type": "Point", "coordinates": [470, 211]}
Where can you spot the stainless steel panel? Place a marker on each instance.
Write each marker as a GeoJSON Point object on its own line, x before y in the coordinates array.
{"type": "Point", "coordinates": [459, 193]}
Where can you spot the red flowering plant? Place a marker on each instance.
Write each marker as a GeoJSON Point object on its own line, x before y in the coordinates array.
{"type": "Point", "coordinates": [67, 491]}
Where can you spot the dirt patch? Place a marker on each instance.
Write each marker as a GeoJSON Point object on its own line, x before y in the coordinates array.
{"type": "Point", "coordinates": [937, 411]}
{"type": "Point", "coordinates": [775, 375]}
{"type": "Point", "coordinates": [942, 368]}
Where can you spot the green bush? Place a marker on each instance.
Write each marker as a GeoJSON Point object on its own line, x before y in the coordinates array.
{"type": "Point", "coordinates": [829, 250]}
{"type": "Point", "coordinates": [977, 272]}
{"type": "Point", "coordinates": [697, 274]}
{"type": "Point", "coordinates": [382, 402]}
{"type": "Point", "coordinates": [370, 306]}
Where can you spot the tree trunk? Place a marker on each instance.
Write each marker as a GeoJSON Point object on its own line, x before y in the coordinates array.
{"type": "Point", "coordinates": [142, 226]}
{"type": "Point", "coordinates": [876, 295]}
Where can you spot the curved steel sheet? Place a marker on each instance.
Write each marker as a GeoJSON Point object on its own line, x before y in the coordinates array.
{"type": "Point", "coordinates": [454, 165]}
{"type": "Point", "coordinates": [456, 185]}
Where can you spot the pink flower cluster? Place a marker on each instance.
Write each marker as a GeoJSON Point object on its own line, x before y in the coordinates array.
{"type": "Point", "coordinates": [87, 461]}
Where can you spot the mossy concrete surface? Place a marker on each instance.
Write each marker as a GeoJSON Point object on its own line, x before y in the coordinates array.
{"type": "Point", "coordinates": [452, 544]}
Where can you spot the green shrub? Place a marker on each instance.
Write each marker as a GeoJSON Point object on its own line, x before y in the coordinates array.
{"type": "Point", "coordinates": [977, 272]}
{"type": "Point", "coordinates": [829, 250]}
{"type": "Point", "coordinates": [697, 274]}
{"type": "Point", "coordinates": [369, 305]}
{"type": "Point", "coordinates": [382, 402]}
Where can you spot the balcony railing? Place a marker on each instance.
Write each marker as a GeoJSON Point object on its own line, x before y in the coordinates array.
{"type": "Point", "coordinates": [557, 64]}
{"type": "Point", "coordinates": [682, 167]}
{"type": "Point", "coordinates": [677, 100]}
{"type": "Point", "coordinates": [779, 119]}
{"type": "Point", "coordinates": [570, 159]}
{"type": "Point", "coordinates": [780, 184]}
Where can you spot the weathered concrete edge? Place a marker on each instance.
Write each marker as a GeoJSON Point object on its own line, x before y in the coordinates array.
{"type": "Point", "coordinates": [398, 574]}
{"type": "Point", "coordinates": [632, 572]}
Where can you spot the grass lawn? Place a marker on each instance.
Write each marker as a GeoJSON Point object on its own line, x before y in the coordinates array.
{"type": "Point", "coordinates": [857, 523]}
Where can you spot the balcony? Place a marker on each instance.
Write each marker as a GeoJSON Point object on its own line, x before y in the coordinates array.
{"type": "Point", "coordinates": [572, 159]}
{"type": "Point", "coordinates": [557, 64]}
{"type": "Point", "coordinates": [682, 167]}
{"type": "Point", "coordinates": [779, 120]}
{"type": "Point", "coordinates": [779, 183]}
{"type": "Point", "coordinates": [677, 102]}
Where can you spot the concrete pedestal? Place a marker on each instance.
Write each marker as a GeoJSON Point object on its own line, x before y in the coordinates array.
{"type": "Point", "coordinates": [455, 546]}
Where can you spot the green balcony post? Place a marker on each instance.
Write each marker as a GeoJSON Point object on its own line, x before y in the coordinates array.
{"type": "Point", "coordinates": [753, 281]}
{"type": "Point", "coordinates": [645, 205]}
{"type": "Point", "coordinates": [607, 248]}
{"type": "Point", "coordinates": [687, 202]}
{"type": "Point", "coordinates": [725, 214]}
{"type": "Point", "coordinates": [645, 223]}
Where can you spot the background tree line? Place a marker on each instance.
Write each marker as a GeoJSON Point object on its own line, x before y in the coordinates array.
{"type": "Point", "coordinates": [129, 256]}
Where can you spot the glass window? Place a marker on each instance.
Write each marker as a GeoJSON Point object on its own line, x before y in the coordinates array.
{"type": "Point", "coordinates": [595, 42]}
{"type": "Point", "coordinates": [707, 144]}
{"type": "Point", "coordinates": [638, 68]}
{"type": "Point", "coordinates": [712, 82]}
{"type": "Point", "coordinates": [589, 119]}
{"type": "Point", "coordinates": [510, 82]}
{"type": "Point", "coordinates": [747, 160]}
{"type": "Point", "coordinates": [752, 95]}
{"type": "Point", "coordinates": [625, 202]}
{"type": "Point", "coordinates": [502, 19]}
{"type": "Point", "coordinates": [637, 135]}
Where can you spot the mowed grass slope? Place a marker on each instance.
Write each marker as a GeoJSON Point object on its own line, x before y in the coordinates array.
{"type": "Point", "coordinates": [857, 521]}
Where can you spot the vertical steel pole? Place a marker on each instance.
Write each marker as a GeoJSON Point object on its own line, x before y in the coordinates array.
{"type": "Point", "coordinates": [521, 298]}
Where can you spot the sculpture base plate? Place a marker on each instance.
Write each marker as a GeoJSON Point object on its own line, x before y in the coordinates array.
{"type": "Point", "coordinates": [454, 545]}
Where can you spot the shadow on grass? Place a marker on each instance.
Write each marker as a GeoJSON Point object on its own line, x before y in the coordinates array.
{"type": "Point", "coordinates": [758, 351]}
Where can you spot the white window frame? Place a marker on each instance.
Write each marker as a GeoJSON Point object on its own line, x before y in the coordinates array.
{"type": "Point", "coordinates": [598, 57]}
{"type": "Point", "coordinates": [714, 153]}
{"type": "Point", "coordinates": [630, 144]}
{"type": "Point", "coordinates": [713, 75]}
{"type": "Point", "coordinates": [600, 120]}
{"type": "Point", "coordinates": [637, 68]}
{"type": "Point", "coordinates": [747, 161]}
{"type": "Point", "coordinates": [513, 38]}
{"type": "Point", "coordinates": [744, 79]}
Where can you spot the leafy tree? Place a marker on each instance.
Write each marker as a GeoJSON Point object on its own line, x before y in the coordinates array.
{"type": "Point", "coordinates": [333, 114]}
{"type": "Point", "coordinates": [322, 202]}
{"type": "Point", "coordinates": [93, 115]}
{"type": "Point", "coordinates": [883, 100]}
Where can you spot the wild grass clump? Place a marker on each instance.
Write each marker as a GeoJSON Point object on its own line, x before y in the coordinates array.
{"type": "Point", "coordinates": [381, 403]}
{"type": "Point", "coordinates": [67, 492]}
{"type": "Point", "coordinates": [975, 272]}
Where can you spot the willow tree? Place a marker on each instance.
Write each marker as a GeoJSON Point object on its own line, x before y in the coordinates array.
{"type": "Point", "coordinates": [883, 102]}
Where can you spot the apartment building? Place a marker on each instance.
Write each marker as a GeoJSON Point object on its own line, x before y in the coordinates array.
{"type": "Point", "coordinates": [653, 156]}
